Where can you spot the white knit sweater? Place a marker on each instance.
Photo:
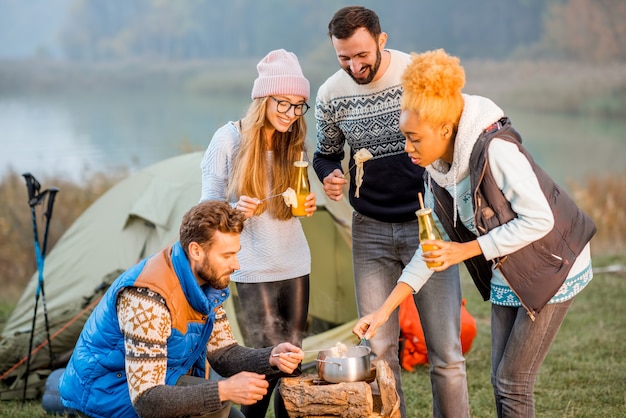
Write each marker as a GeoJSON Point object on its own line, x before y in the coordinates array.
{"type": "Point", "coordinates": [271, 249]}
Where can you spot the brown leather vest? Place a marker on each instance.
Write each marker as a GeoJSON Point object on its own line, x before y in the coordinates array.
{"type": "Point", "coordinates": [536, 272]}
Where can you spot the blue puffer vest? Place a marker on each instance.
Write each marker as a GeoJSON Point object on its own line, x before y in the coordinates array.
{"type": "Point", "coordinates": [95, 381]}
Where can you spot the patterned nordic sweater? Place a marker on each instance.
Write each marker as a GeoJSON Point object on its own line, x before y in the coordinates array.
{"type": "Point", "coordinates": [367, 116]}
{"type": "Point", "coordinates": [146, 375]}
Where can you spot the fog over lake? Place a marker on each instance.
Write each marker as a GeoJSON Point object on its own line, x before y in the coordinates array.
{"type": "Point", "coordinates": [74, 136]}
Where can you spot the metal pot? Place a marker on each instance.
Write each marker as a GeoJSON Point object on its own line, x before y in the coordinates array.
{"type": "Point", "coordinates": [351, 367]}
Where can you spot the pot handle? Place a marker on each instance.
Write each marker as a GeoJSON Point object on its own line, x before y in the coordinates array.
{"type": "Point", "coordinates": [331, 362]}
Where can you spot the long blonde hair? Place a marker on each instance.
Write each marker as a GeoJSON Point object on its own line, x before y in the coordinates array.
{"type": "Point", "coordinates": [251, 174]}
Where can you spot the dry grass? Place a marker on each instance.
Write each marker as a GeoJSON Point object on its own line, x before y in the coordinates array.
{"type": "Point", "coordinates": [17, 251]}
{"type": "Point", "coordinates": [602, 197]}
{"type": "Point", "coordinates": [604, 200]}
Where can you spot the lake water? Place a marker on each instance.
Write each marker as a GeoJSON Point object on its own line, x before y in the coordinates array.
{"type": "Point", "coordinates": [74, 136]}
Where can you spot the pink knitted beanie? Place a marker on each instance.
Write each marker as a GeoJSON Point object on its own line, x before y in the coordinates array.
{"type": "Point", "coordinates": [280, 73]}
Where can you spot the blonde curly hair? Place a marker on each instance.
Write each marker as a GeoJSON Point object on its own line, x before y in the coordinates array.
{"type": "Point", "coordinates": [432, 85]}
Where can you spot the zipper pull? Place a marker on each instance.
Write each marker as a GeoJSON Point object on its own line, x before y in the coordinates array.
{"type": "Point", "coordinates": [501, 261]}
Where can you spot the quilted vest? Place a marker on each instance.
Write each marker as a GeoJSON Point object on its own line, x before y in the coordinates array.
{"type": "Point", "coordinates": [536, 272]}
{"type": "Point", "coordinates": [95, 380]}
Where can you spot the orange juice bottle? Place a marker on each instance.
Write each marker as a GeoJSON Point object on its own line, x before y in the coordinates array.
{"type": "Point", "coordinates": [428, 230]}
{"type": "Point", "coordinates": [301, 187]}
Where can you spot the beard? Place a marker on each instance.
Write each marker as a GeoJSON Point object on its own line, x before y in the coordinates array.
{"type": "Point", "coordinates": [208, 275]}
{"type": "Point", "coordinates": [372, 70]}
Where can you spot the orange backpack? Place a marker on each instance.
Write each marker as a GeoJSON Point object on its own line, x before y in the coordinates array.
{"type": "Point", "coordinates": [413, 346]}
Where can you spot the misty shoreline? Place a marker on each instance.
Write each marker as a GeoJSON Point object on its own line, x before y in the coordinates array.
{"type": "Point", "coordinates": [597, 90]}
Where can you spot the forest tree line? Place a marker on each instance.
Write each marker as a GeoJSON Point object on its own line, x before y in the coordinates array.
{"type": "Point", "coordinates": [584, 30]}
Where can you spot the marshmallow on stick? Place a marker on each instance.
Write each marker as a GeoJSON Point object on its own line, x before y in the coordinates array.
{"type": "Point", "coordinates": [290, 197]}
{"type": "Point", "coordinates": [360, 157]}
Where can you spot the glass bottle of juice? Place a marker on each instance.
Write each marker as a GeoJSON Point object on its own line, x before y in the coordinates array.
{"type": "Point", "coordinates": [301, 187]}
{"type": "Point", "coordinates": [428, 230]}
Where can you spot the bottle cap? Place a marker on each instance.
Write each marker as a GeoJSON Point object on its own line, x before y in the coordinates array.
{"type": "Point", "coordinates": [423, 211]}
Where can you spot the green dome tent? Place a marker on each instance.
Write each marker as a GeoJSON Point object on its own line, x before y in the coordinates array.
{"type": "Point", "coordinates": [134, 219]}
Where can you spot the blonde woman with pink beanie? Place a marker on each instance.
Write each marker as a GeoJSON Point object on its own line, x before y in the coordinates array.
{"type": "Point", "coordinates": [247, 161]}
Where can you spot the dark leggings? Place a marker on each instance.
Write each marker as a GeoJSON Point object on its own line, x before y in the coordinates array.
{"type": "Point", "coordinates": [272, 313]}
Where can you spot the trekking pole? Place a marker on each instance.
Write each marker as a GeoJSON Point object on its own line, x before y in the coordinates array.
{"type": "Point", "coordinates": [52, 192]}
{"type": "Point", "coordinates": [35, 197]}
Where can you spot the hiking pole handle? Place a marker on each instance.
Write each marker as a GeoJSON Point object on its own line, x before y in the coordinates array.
{"type": "Point", "coordinates": [52, 192]}
{"type": "Point", "coordinates": [33, 187]}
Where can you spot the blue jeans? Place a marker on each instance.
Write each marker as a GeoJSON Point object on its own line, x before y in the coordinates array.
{"type": "Point", "coordinates": [380, 251]}
{"type": "Point", "coordinates": [518, 348]}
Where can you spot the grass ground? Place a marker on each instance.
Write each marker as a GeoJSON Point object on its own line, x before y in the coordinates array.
{"type": "Point", "coordinates": [583, 376]}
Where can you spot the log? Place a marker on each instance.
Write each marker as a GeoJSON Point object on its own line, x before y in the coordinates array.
{"type": "Point", "coordinates": [305, 396]}
{"type": "Point", "coordinates": [388, 395]}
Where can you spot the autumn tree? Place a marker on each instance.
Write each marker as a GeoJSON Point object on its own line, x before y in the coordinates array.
{"type": "Point", "coordinates": [588, 30]}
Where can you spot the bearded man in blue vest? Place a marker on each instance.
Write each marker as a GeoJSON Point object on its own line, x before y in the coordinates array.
{"type": "Point", "coordinates": [144, 349]}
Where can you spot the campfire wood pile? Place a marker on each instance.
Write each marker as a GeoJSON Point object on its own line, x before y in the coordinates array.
{"type": "Point", "coordinates": [306, 396]}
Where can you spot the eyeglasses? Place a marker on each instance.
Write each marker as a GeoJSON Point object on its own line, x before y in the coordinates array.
{"type": "Point", "coordinates": [283, 106]}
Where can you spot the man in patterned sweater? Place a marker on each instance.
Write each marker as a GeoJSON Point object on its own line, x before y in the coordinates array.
{"type": "Point", "coordinates": [144, 349]}
{"type": "Point", "coordinates": [360, 105]}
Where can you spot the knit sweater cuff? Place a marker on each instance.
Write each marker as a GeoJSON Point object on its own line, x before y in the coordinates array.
{"type": "Point", "coordinates": [211, 396]}
{"type": "Point", "coordinates": [193, 397]}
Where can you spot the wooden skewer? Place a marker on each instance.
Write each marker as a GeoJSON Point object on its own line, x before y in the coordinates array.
{"type": "Point", "coordinates": [348, 172]}
{"type": "Point", "coordinates": [270, 197]}
{"type": "Point", "coordinates": [304, 351]}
